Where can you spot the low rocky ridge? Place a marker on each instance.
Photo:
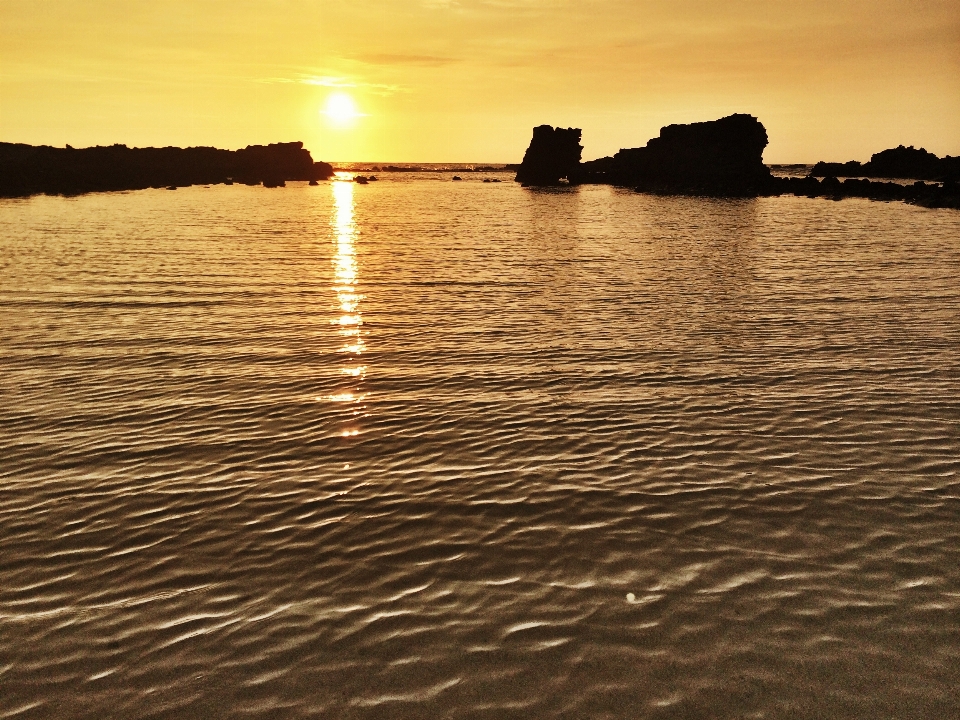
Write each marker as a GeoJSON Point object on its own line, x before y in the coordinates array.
{"type": "Point", "coordinates": [899, 162]}
{"type": "Point", "coordinates": [724, 158]}
{"type": "Point", "coordinates": [931, 195]}
{"type": "Point", "coordinates": [28, 169]}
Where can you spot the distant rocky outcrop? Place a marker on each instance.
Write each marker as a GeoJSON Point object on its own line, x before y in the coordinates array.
{"type": "Point", "coordinates": [553, 155]}
{"type": "Point", "coordinates": [28, 169]}
{"type": "Point", "coordinates": [931, 195]}
{"type": "Point", "coordinates": [899, 162]}
{"type": "Point", "coordinates": [719, 158]}
{"type": "Point", "coordinates": [724, 158]}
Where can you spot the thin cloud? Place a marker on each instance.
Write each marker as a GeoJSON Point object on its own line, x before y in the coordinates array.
{"type": "Point", "coordinates": [405, 59]}
{"type": "Point", "coordinates": [326, 81]}
{"type": "Point", "coordinates": [331, 81]}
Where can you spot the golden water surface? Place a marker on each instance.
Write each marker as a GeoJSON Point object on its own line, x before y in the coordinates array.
{"type": "Point", "coordinates": [422, 449]}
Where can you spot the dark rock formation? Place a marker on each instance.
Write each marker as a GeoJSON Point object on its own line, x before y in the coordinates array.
{"type": "Point", "coordinates": [898, 162]}
{"type": "Point", "coordinates": [553, 155]}
{"type": "Point", "coordinates": [724, 158]}
{"type": "Point", "coordinates": [853, 168]}
{"type": "Point", "coordinates": [930, 195]}
{"type": "Point", "coordinates": [719, 158]}
{"type": "Point", "coordinates": [27, 169]}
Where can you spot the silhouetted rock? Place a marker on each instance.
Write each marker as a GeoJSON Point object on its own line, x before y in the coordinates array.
{"type": "Point", "coordinates": [457, 177]}
{"type": "Point", "coordinates": [898, 162]}
{"type": "Point", "coordinates": [719, 158]}
{"type": "Point", "coordinates": [27, 169]}
{"type": "Point", "coordinates": [321, 171]}
{"type": "Point", "coordinates": [929, 195]}
{"type": "Point", "coordinates": [847, 169]}
{"type": "Point", "coordinates": [724, 158]}
{"type": "Point", "coordinates": [553, 155]}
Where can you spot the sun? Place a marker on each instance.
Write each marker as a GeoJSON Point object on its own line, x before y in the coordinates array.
{"type": "Point", "coordinates": [341, 109]}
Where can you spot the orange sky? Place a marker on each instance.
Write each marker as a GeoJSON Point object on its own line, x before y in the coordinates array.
{"type": "Point", "coordinates": [465, 80]}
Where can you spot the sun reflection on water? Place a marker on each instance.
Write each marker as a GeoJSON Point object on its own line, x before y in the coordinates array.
{"type": "Point", "coordinates": [346, 274]}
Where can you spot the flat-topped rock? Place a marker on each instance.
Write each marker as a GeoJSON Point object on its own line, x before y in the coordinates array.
{"type": "Point", "coordinates": [720, 158]}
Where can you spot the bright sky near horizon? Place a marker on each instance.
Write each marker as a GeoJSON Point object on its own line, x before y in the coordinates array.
{"type": "Point", "coordinates": [466, 80]}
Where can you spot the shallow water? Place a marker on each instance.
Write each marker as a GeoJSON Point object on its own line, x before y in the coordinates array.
{"type": "Point", "coordinates": [428, 449]}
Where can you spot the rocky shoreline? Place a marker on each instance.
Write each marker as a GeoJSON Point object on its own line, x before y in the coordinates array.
{"type": "Point", "coordinates": [899, 162]}
{"type": "Point", "coordinates": [724, 158]}
{"type": "Point", "coordinates": [719, 158]}
{"type": "Point", "coordinates": [30, 170]}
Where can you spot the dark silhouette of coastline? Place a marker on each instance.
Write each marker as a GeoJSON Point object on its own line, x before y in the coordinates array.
{"type": "Point", "coordinates": [724, 158]}
{"type": "Point", "coordinates": [28, 170]}
{"type": "Point", "coordinates": [899, 162]}
{"type": "Point", "coordinates": [931, 195]}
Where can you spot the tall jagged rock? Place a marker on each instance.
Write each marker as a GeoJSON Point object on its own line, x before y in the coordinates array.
{"type": "Point", "coordinates": [721, 158]}
{"type": "Point", "coordinates": [554, 154]}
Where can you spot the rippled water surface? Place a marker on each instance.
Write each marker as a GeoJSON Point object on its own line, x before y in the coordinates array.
{"type": "Point", "coordinates": [423, 449]}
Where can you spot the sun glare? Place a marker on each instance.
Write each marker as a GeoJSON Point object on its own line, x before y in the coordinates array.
{"type": "Point", "coordinates": [341, 109]}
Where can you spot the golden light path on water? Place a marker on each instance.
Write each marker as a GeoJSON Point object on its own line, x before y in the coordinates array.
{"type": "Point", "coordinates": [346, 277]}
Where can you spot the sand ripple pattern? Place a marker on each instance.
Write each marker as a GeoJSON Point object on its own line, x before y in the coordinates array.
{"type": "Point", "coordinates": [422, 449]}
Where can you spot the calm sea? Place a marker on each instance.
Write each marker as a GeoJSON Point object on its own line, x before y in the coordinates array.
{"type": "Point", "coordinates": [434, 449]}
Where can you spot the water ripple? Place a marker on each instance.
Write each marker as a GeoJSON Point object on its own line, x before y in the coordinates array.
{"type": "Point", "coordinates": [415, 449]}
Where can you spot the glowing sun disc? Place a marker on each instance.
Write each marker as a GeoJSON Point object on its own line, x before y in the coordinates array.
{"type": "Point", "coordinates": [340, 108]}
